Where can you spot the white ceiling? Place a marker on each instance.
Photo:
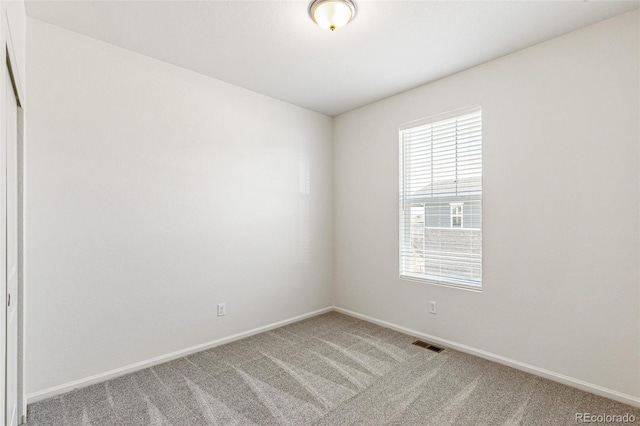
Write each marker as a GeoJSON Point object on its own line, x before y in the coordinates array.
{"type": "Point", "coordinates": [272, 47]}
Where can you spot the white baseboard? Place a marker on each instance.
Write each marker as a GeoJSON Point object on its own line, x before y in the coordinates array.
{"type": "Point", "coordinates": [560, 378]}
{"type": "Point", "coordinates": [97, 378]}
{"type": "Point", "coordinates": [547, 374]}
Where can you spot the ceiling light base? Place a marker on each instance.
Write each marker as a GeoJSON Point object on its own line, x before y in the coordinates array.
{"type": "Point", "coordinates": [332, 14]}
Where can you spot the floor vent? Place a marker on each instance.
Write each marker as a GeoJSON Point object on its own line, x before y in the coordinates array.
{"type": "Point", "coordinates": [428, 346]}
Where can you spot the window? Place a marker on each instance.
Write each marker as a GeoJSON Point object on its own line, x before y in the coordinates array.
{"type": "Point", "coordinates": [456, 215]}
{"type": "Point", "coordinates": [441, 199]}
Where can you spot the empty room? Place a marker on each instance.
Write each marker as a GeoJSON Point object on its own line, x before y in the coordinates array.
{"type": "Point", "coordinates": [319, 212]}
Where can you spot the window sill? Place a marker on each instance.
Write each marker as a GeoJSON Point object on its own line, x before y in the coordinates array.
{"type": "Point", "coordinates": [460, 284]}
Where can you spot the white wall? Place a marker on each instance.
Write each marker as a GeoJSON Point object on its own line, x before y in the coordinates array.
{"type": "Point", "coordinates": [154, 193]}
{"type": "Point", "coordinates": [561, 208]}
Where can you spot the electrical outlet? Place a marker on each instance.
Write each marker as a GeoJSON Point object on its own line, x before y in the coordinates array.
{"type": "Point", "coordinates": [222, 309]}
{"type": "Point", "coordinates": [433, 307]}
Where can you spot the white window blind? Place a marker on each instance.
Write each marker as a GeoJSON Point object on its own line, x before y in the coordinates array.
{"type": "Point", "coordinates": [441, 199]}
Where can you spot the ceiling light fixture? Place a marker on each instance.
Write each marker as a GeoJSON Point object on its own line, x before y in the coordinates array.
{"type": "Point", "coordinates": [332, 14]}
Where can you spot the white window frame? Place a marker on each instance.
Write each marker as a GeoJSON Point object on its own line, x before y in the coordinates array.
{"type": "Point", "coordinates": [449, 281]}
{"type": "Point", "coordinates": [452, 206]}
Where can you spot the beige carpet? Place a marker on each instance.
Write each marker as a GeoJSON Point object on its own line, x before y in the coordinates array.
{"type": "Point", "coordinates": [327, 370]}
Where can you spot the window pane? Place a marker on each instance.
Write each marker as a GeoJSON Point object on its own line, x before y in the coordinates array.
{"type": "Point", "coordinates": [441, 189]}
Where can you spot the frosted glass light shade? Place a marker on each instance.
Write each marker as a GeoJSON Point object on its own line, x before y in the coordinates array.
{"type": "Point", "coordinates": [332, 14]}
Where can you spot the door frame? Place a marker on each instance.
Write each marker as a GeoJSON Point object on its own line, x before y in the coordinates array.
{"type": "Point", "coordinates": [10, 61]}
